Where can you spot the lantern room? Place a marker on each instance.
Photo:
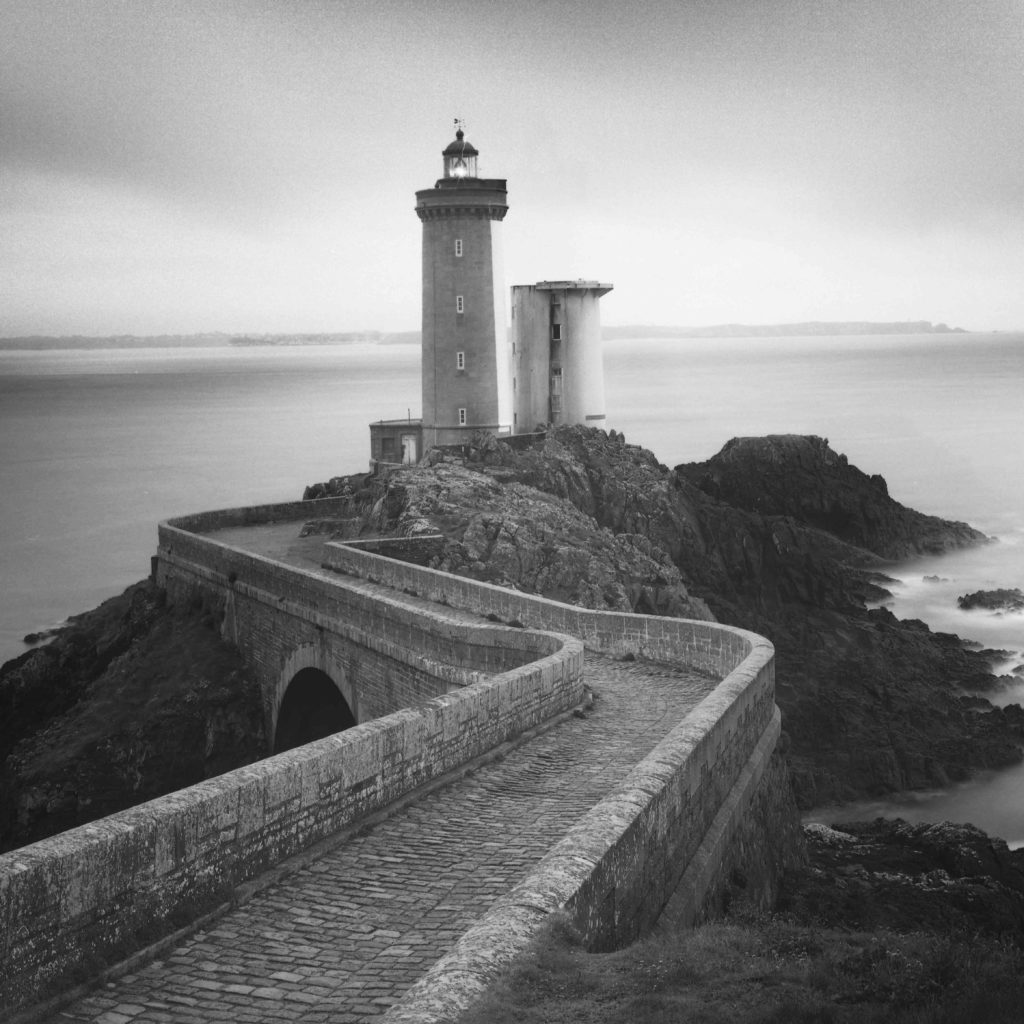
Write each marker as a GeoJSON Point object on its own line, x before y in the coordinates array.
{"type": "Point", "coordinates": [460, 158]}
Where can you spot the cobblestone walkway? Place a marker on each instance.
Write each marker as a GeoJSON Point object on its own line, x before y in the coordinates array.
{"type": "Point", "coordinates": [341, 939]}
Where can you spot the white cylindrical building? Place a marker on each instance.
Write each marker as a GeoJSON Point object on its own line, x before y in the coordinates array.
{"type": "Point", "coordinates": [558, 366]}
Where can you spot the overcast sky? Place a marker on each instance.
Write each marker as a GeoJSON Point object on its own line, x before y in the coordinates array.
{"type": "Point", "coordinates": [176, 167]}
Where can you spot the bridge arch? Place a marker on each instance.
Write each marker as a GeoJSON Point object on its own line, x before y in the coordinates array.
{"type": "Point", "coordinates": [313, 698]}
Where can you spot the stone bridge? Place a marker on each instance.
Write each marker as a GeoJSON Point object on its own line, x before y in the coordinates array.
{"type": "Point", "coordinates": [290, 619]}
{"type": "Point", "coordinates": [486, 757]}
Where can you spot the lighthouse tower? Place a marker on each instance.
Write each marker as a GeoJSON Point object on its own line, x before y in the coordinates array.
{"type": "Point", "coordinates": [476, 376]}
{"type": "Point", "coordinates": [467, 362]}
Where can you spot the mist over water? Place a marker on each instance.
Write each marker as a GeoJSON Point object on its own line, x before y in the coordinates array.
{"type": "Point", "coordinates": [98, 446]}
{"type": "Point", "coordinates": [928, 589]}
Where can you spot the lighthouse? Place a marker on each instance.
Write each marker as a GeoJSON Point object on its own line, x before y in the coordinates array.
{"type": "Point", "coordinates": [477, 376]}
{"type": "Point", "coordinates": [467, 361]}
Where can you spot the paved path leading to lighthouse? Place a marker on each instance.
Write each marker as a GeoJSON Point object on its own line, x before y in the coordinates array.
{"type": "Point", "coordinates": [342, 938]}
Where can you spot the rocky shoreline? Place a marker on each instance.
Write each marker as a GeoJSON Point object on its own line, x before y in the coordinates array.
{"type": "Point", "coordinates": [779, 535]}
{"type": "Point", "coordinates": [999, 601]}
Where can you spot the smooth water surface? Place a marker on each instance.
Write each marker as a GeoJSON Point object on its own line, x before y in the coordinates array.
{"type": "Point", "coordinates": [98, 446]}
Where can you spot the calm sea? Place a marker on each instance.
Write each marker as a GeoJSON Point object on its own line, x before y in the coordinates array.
{"type": "Point", "coordinates": [97, 446]}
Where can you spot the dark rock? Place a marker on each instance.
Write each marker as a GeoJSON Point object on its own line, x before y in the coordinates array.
{"type": "Point", "coordinates": [974, 702]}
{"type": "Point", "coordinates": [41, 635]}
{"type": "Point", "coordinates": [353, 486]}
{"type": "Point", "coordinates": [993, 600]}
{"type": "Point", "coordinates": [890, 874]}
{"type": "Point", "coordinates": [871, 705]}
{"type": "Point", "coordinates": [504, 532]}
{"type": "Point", "coordinates": [129, 702]}
{"type": "Point", "coordinates": [793, 475]}
{"type": "Point", "coordinates": [995, 656]}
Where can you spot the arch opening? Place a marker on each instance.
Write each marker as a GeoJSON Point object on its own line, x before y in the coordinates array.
{"type": "Point", "coordinates": [312, 708]}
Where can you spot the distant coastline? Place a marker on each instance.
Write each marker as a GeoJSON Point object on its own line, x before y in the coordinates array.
{"type": "Point", "coordinates": [813, 328]}
{"type": "Point", "coordinates": [39, 342]}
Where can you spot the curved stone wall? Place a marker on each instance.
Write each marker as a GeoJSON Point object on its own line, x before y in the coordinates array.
{"type": "Point", "coordinates": [708, 646]}
{"type": "Point", "coordinates": [664, 838]}
{"type": "Point", "coordinates": [106, 888]}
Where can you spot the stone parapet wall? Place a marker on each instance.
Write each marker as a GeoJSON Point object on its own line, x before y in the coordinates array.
{"type": "Point", "coordinates": [670, 835]}
{"type": "Point", "coordinates": [94, 893]}
{"type": "Point", "coordinates": [255, 515]}
{"type": "Point", "coordinates": [420, 549]}
{"type": "Point", "coordinates": [708, 646]}
{"type": "Point", "coordinates": [619, 861]}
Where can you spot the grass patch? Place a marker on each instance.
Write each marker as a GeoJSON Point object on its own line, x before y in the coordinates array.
{"type": "Point", "coordinates": [761, 971]}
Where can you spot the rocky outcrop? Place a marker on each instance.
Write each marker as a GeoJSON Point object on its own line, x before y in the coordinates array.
{"type": "Point", "coordinates": [890, 874]}
{"type": "Point", "coordinates": [499, 528]}
{"type": "Point", "coordinates": [871, 705]}
{"type": "Point", "coordinates": [130, 701]}
{"type": "Point", "coordinates": [993, 600]}
{"type": "Point", "coordinates": [874, 705]}
{"type": "Point", "coordinates": [793, 475]}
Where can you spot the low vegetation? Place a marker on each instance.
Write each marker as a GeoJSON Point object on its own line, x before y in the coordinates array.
{"type": "Point", "coordinates": [762, 970]}
{"type": "Point", "coordinates": [130, 701]}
